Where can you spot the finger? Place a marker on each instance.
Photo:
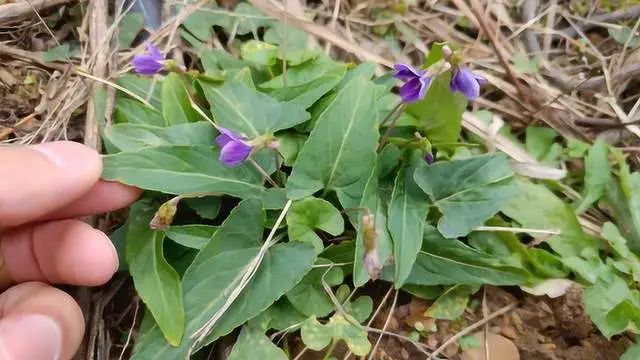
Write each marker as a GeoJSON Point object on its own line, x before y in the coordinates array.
{"type": "Point", "coordinates": [39, 322]}
{"type": "Point", "coordinates": [41, 178]}
{"type": "Point", "coordinates": [103, 197]}
{"type": "Point", "coordinates": [59, 252]}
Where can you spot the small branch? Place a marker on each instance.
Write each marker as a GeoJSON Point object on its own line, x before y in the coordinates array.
{"type": "Point", "coordinates": [470, 328]}
{"type": "Point", "coordinates": [18, 10]}
{"type": "Point", "coordinates": [384, 327]}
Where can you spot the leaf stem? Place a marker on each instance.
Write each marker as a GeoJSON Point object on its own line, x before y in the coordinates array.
{"type": "Point", "coordinates": [263, 172]}
{"type": "Point", "coordinates": [332, 346]}
{"type": "Point", "coordinates": [394, 122]}
{"type": "Point", "coordinates": [395, 108]}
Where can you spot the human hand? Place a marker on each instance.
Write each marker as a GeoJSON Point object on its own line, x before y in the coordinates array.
{"type": "Point", "coordinates": [42, 188]}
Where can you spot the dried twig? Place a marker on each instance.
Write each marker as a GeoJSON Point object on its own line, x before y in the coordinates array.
{"type": "Point", "coordinates": [19, 10]}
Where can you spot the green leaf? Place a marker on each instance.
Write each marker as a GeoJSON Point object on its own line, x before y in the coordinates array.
{"type": "Point", "coordinates": [624, 34]}
{"type": "Point", "coordinates": [206, 207]}
{"type": "Point", "coordinates": [57, 53]}
{"type": "Point", "coordinates": [617, 242]}
{"type": "Point", "coordinates": [309, 296]}
{"type": "Point", "coordinates": [537, 207]}
{"type": "Point", "coordinates": [176, 107]}
{"type": "Point", "coordinates": [249, 19]}
{"type": "Point", "coordinates": [407, 213]}
{"type": "Point", "coordinates": [448, 262]}
{"type": "Point", "coordinates": [467, 192]}
{"type": "Point", "coordinates": [435, 54]}
{"type": "Point", "coordinates": [290, 145]}
{"type": "Point", "coordinates": [134, 112]}
{"type": "Point", "coordinates": [193, 236]}
{"type": "Point", "coordinates": [253, 344]}
{"type": "Point", "coordinates": [313, 213]}
{"type": "Point", "coordinates": [440, 112]}
{"type": "Point", "coordinates": [317, 336]}
{"type": "Point", "coordinates": [156, 282]}
{"type": "Point", "coordinates": [524, 64]}
{"type": "Point", "coordinates": [539, 141]}
{"type": "Point", "coordinates": [307, 83]}
{"type": "Point", "coordinates": [245, 110]}
{"type": "Point", "coordinates": [182, 170]}
{"type": "Point", "coordinates": [293, 44]}
{"type": "Point", "coordinates": [632, 353]}
{"type": "Point", "coordinates": [200, 23]}
{"type": "Point", "coordinates": [128, 137]}
{"type": "Point", "coordinates": [143, 86]}
{"type": "Point", "coordinates": [128, 28]}
{"type": "Point", "coordinates": [259, 52]}
{"type": "Point", "coordinates": [360, 308]}
{"type": "Point", "coordinates": [597, 175]}
{"type": "Point", "coordinates": [279, 316]}
{"type": "Point", "coordinates": [341, 149]}
{"type": "Point", "coordinates": [623, 199]}
{"type": "Point", "coordinates": [119, 239]}
{"type": "Point", "coordinates": [612, 306]}
{"type": "Point", "coordinates": [452, 303]}
{"type": "Point", "coordinates": [216, 271]}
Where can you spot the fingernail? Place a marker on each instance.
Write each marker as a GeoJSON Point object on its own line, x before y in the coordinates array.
{"type": "Point", "coordinates": [66, 154]}
{"type": "Point", "coordinates": [114, 251]}
{"type": "Point", "coordinates": [30, 337]}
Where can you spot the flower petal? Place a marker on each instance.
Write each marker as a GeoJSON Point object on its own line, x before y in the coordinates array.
{"type": "Point", "coordinates": [464, 80]}
{"type": "Point", "coordinates": [154, 52]}
{"type": "Point", "coordinates": [223, 139]}
{"type": "Point", "coordinates": [146, 65]}
{"type": "Point", "coordinates": [406, 72]}
{"type": "Point", "coordinates": [414, 90]}
{"type": "Point", "coordinates": [234, 153]}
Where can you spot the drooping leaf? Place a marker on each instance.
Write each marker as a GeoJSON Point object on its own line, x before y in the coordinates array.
{"type": "Point", "coordinates": [317, 336]}
{"type": "Point", "coordinates": [312, 213]}
{"type": "Point", "coordinates": [247, 111]}
{"type": "Point", "coordinates": [597, 175]}
{"type": "Point", "coordinates": [537, 207]}
{"type": "Point", "coordinates": [448, 262]}
{"type": "Point", "coordinates": [182, 170]}
{"type": "Point", "coordinates": [253, 344]}
{"type": "Point", "coordinates": [156, 282]}
{"type": "Point", "coordinates": [128, 137]}
{"type": "Point", "coordinates": [452, 303]}
{"type": "Point", "coordinates": [217, 269]}
{"type": "Point", "coordinates": [309, 296]}
{"type": "Point", "coordinates": [193, 236]}
{"type": "Point", "coordinates": [176, 107]}
{"type": "Point", "coordinates": [341, 148]}
{"type": "Point", "coordinates": [440, 112]}
{"type": "Point", "coordinates": [467, 192]}
{"type": "Point", "coordinates": [406, 215]}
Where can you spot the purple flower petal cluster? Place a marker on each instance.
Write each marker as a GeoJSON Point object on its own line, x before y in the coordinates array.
{"type": "Point", "coordinates": [234, 149]}
{"type": "Point", "coordinates": [149, 63]}
{"type": "Point", "coordinates": [429, 159]}
{"type": "Point", "coordinates": [416, 82]}
{"type": "Point", "coordinates": [466, 82]}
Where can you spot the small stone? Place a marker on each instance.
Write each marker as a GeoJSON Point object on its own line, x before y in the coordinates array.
{"type": "Point", "coordinates": [500, 348]}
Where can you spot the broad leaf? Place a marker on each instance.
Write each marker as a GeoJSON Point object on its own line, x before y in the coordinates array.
{"type": "Point", "coordinates": [467, 192]}
{"type": "Point", "coordinates": [448, 262]}
{"type": "Point", "coordinates": [341, 149]}
{"type": "Point", "coordinates": [309, 214]}
{"type": "Point", "coordinates": [597, 175]}
{"type": "Point", "coordinates": [452, 303]}
{"type": "Point", "coordinates": [156, 282]}
{"type": "Point", "coordinates": [128, 137]}
{"type": "Point", "coordinates": [206, 207]}
{"type": "Point", "coordinates": [215, 273]}
{"type": "Point", "coordinates": [290, 145]}
{"type": "Point", "coordinates": [279, 316]}
{"type": "Point", "coordinates": [440, 112]}
{"type": "Point", "coordinates": [407, 214]}
{"type": "Point", "coordinates": [259, 52]}
{"type": "Point", "coordinates": [247, 111]}
{"type": "Point", "coordinates": [309, 297]}
{"type": "Point", "coordinates": [253, 344]}
{"type": "Point", "coordinates": [143, 86]}
{"type": "Point", "coordinates": [317, 336]}
{"type": "Point", "coordinates": [193, 236]}
{"type": "Point", "coordinates": [612, 306]}
{"type": "Point", "coordinates": [537, 207]}
{"type": "Point", "coordinates": [134, 112]}
{"type": "Point", "coordinates": [176, 107]}
{"type": "Point", "coordinates": [129, 27]}
{"type": "Point", "coordinates": [182, 170]}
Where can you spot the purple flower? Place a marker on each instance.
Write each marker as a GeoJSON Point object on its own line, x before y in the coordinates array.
{"type": "Point", "coordinates": [416, 82]}
{"type": "Point", "coordinates": [149, 63]}
{"type": "Point", "coordinates": [466, 82]}
{"type": "Point", "coordinates": [429, 159]}
{"type": "Point", "coordinates": [234, 150]}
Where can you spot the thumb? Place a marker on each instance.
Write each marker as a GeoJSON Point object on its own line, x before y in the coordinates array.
{"type": "Point", "coordinates": [39, 322]}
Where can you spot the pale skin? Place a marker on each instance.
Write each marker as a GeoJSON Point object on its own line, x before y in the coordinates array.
{"type": "Point", "coordinates": [43, 190]}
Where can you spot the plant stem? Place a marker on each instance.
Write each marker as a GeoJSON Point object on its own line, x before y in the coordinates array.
{"type": "Point", "coordinates": [332, 346]}
{"type": "Point", "coordinates": [394, 122]}
{"type": "Point", "coordinates": [393, 111]}
{"type": "Point", "coordinates": [263, 172]}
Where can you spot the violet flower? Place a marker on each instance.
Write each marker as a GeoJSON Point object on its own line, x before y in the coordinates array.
{"type": "Point", "coordinates": [429, 158]}
{"type": "Point", "coordinates": [149, 63]}
{"type": "Point", "coordinates": [416, 82]}
{"type": "Point", "coordinates": [466, 82]}
{"type": "Point", "coordinates": [234, 150]}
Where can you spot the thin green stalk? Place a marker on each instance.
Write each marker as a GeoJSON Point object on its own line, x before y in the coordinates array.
{"type": "Point", "coordinates": [394, 122]}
